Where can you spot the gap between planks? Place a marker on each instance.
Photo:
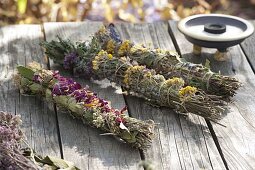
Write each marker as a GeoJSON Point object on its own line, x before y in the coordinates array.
{"type": "Point", "coordinates": [54, 105]}
{"type": "Point", "coordinates": [210, 127]}
{"type": "Point", "coordinates": [186, 134]}
{"type": "Point", "coordinates": [249, 50]}
{"type": "Point", "coordinates": [75, 31]}
{"type": "Point", "coordinates": [19, 45]}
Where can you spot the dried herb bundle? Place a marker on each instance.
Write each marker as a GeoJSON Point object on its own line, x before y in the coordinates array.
{"type": "Point", "coordinates": [84, 104]}
{"type": "Point", "coordinates": [163, 62]}
{"type": "Point", "coordinates": [13, 157]}
{"type": "Point", "coordinates": [168, 64]}
{"type": "Point", "coordinates": [153, 87]}
{"type": "Point", "coordinates": [137, 80]}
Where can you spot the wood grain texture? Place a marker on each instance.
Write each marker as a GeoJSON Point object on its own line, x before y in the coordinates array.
{"type": "Point", "coordinates": [237, 140]}
{"type": "Point", "coordinates": [82, 144]}
{"type": "Point", "coordinates": [249, 49]}
{"type": "Point", "coordinates": [20, 45]}
{"type": "Point", "coordinates": [181, 143]}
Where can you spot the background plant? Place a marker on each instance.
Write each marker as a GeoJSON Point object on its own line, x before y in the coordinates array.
{"type": "Point", "coordinates": [38, 11]}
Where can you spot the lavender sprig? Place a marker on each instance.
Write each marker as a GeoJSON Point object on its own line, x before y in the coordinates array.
{"type": "Point", "coordinates": [84, 104]}
{"type": "Point", "coordinates": [10, 138]}
{"type": "Point", "coordinates": [13, 157]}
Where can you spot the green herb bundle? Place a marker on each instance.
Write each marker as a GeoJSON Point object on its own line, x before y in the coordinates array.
{"type": "Point", "coordinates": [84, 104]}
{"type": "Point", "coordinates": [163, 62]}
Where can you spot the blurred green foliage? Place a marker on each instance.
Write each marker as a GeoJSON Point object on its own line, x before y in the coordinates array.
{"type": "Point", "coordinates": [38, 11]}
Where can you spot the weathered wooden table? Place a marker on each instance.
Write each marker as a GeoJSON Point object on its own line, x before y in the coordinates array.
{"type": "Point", "coordinates": [180, 143]}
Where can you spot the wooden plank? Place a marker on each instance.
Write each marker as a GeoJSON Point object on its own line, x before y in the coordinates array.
{"type": "Point", "coordinates": [237, 140]}
{"type": "Point", "coordinates": [180, 143]}
{"type": "Point", "coordinates": [248, 48]}
{"type": "Point", "coordinates": [20, 45]}
{"type": "Point", "coordinates": [89, 150]}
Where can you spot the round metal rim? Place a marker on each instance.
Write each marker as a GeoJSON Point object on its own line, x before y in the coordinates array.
{"type": "Point", "coordinates": [245, 34]}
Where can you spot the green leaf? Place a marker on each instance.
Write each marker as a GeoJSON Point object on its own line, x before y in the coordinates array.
{"type": "Point", "coordinates": [149, 59]}
{"type": "Point", "coordinates": [48, 95]}
{"type": "Point", "coordinates": [26, 72]}
{"type": "Point", "coordinates": [126, 135]}
{"type": "Point", "coordinates": [35, 87]}
{"type": "Point", "coordinates": [129, 137]}
{"type": "Point", "coordinates": [61, 100]}
{"type": "Point", "coordinates": [24, 82]}
{"type": "Point", "coordinates": [22, 6]}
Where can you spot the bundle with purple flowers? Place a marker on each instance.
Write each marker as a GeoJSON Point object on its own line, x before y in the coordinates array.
{"type": "Point", "coordinates": [163, 62]}
{"type": "Point", "coordinates": [83, 104]}
{"type": "Point", "coordinates": [137, 80]}
{"type": "Point", "coordinates": [14, 157]}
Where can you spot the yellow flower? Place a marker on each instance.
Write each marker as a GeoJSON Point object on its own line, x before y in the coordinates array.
{"type": "Point", "coordinates": [161, 51]}
{"type": "Point", "coordinates": [130, 71]}
{"type": "Point", "coordinates": [124, 48]}
{"type": "Point", "coordinates": [148, 75]}
{"type": "Point", "coordinates": [102, 30]}
{"type": "Point", "coordinates": [95, 65]}
{"type": "Point", "coordinates": [94, 103]}
{"type": "Point", "coordinates": [137, 68]}
{"type": "Point", "coordinates": [110, 56]}
{"type": "Point", "coordinates": [187, 91]}
{"type": "Point", "coordinates": [123, 59]}
{"type": "Point", "coordinates": [34, 65]}
{"type": "Point", "coordinates": [138, 48]}
{"type": "Point", "coordinates": [97, 58]}
{"type": "Point", "coordinates": [175, 81]}
{"type": "Point", "coordinates": [110, 47]}
{"type": "Point", "coordinates": [126, 79]}
{"type": "Point", "coordinates": [102, 53]}
{"type": "Point", "coordinates": [89, 93]}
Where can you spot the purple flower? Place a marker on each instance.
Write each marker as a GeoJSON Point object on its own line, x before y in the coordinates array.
{"type": "Point", "coordinates": [65, 86]}
{"type": "Point", "coordinates": [79, 95]}
{"type": "Point", "coordinates": [56, 74]}
{"type": "Point", "coordinates": [70, 60]}
{"type": "Point", "coordinates": [37, 78]}
{"type": "Point", "coordinates": [119, 120]}
{"type": "Point", "coordinates": [118, 113]}
{"type": "Point", "coordinates": [56, 90]}
{"type": "Point", "coordinates": [105, 105]}
{"type": "Point", "coordinates": [87, 70]}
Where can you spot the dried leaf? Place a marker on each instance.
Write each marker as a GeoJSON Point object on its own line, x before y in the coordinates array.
{"type": "Point", "coordinates": [207, 63]}
{"type": "Point", "coordinates": [59, 163]}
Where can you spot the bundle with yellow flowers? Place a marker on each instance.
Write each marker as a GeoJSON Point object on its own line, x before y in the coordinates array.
{"type": "Point", "coordinates": [84, 104]}
{"type": "Point", "coordinates": [145, 83]}
{"type": "Point", "coordinates": [163, 62]}
{"type": "Point", "coordinates": [83, 59]}
{"type": "Point", "coordinates": [168, 64]}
